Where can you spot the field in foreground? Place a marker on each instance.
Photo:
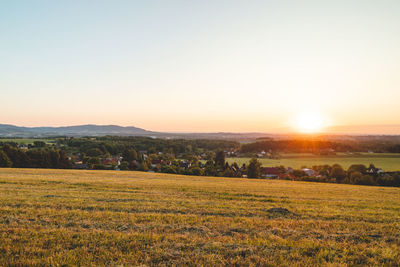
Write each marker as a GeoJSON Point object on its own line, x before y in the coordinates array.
{"type": "Point", "coordinates": [58, 217]}
{"type": "Point", "coordinates": [385, 161]}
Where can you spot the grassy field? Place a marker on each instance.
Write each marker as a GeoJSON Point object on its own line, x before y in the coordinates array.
{"type": "Point", "coordinates": [109, 218]}
{"type": "Point", "coordinates": [26, 141]}
{"type": "Point", "coordinates": [388, 162]}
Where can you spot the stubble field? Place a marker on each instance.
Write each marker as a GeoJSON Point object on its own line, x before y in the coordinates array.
{"type": "Point", "coordinates": [109, 218]}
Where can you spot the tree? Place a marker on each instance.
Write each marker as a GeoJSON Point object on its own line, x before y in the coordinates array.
{"type": "Point", "coordinates": [99, 167]}
{"type": "Point", "coordinates": [228, 172]}
{"type": "Point", "coordinates": [39, 144]}
{"type": "Point", "coordinates": [4, 160]}
{"type": "Point", "coordinates": [94, 152]}
{"type": "Point", "coordinates": [91, 162]}
{"type": "Point", "coordinates": [124, 166]}
{"type": "Point", "coordinates": [220, 159]}
{"type": "Point", "coordinates": [358, 178]}
{"type": "Point", "coordinates": [64, 162]}
{"type": "Point", "coordinates": [54, 158]}
{"type": "Point", "coordinates": [196, 171]}
{"type": "Point", "coordinates": [387, 180]}
{"type": "Point", "coordinates": [338, 173]}
{"type": "Point", "coordinates": [299, 173]}
{"type": "Point", "coordinates": [210, 169]}
{"type": "Point", "coordinates": [18, 158]}
{"type": "Point", "coordinates": [355, 177]}
{"type": "Point", "coordinates": [130, 155]}
{"type": "Point", "coordinates": [254, 169]}
{"type": "Point", "coordinates": [168, 169]}
{"type": "Point", "coordinates": [357, 168]}
{"type": "Point", "coordinates": [143, 166]}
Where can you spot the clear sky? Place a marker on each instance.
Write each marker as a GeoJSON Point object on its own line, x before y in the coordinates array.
{"type": "Point", "coordinates": [200, 65]}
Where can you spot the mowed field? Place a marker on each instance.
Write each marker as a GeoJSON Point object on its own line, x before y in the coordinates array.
{"type": "Point", "coordinates": [26, 141]}
{"type": "Point", "coordinates": [110, 218]}
{"type": "Point", "coordinates": [386, 161]}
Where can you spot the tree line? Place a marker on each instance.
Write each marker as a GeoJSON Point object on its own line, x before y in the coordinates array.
{"type": "Point", "coordinates": [188, 157]}
{"type": "Point", "coordinates": [320, 146]}
{"type": "Point", "coordinates": [34, 158]}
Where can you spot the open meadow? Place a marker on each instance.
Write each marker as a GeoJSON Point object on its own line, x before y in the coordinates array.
{"type": "Point", "coordinates": [385, 161]}
{"type": "Point", "coordinates": [110, 218]}
{"type": "Point", "coordinates": [27, 141]}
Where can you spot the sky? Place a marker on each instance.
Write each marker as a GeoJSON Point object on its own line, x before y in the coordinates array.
{"type": "Point", "coordinates": [200, 66]}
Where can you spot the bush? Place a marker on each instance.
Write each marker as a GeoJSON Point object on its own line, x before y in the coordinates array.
{"type": "Point", "coordinates": [360, 179]}
{"type": "Point", "coordinates": [124, 166]}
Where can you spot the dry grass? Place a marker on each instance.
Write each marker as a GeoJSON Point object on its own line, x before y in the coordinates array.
{"type": "Point", "coordinates": [106, 218]}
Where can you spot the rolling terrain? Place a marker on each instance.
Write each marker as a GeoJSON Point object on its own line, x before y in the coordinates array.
{"type": "Point", "coordinates": [108, 218]}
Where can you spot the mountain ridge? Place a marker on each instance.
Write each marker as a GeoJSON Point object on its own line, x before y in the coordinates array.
{"type": "Point", "coordinates": [9, 130]}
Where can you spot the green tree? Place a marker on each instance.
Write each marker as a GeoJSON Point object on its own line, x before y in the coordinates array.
{"type": "Point", "coordinates": [338, 173]}
{"type": "Point", "coordinates": [355, 177]}
{"type": "Point", "coordinates": [94, 152]}
{"type": "Point", "coordinates": [63, 160]}
{"type": "Point", "coordinates": [168, 169]}
{"type": "Point", "coordinates": [4, 160]}
{"type": "Point", "coordinates": [39, 144]}
{"type": "Point", "coordinates": [228, 172]}
{"type": "Point", "coordinates": [124, 166]}
{"type": "Point", "coordinates": [210, 169]}
{"type": "Point", "coordinates": [298, 173]}
{"type": "Point", "coordinates": [91, 162]}
{"type": "Point", "coordinates": [357, 168]}
{"type": "Point", "coordinates": [254, 169]}
{"type": "Point", "coordinates": [130, 155]}
{"type": "Point", "coordinates": [195, 171]}
{"type": "Point", "coordinates": [143, 166]}
{"type": "Point", "coordinates": [220, 159]}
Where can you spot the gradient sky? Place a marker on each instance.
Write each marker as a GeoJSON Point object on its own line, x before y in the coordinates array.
{"type": "Point", "coordinates": [199, 65]}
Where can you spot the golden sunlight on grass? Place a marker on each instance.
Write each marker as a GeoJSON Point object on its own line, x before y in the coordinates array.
{"type": "Point", "coordinates": [108, 218]}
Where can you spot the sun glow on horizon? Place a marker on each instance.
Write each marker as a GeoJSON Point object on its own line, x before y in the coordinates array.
{"type": "Point", "coordinates": [310, 122]}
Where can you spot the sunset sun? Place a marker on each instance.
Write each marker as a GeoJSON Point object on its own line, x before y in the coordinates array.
{"type": "Point", "coordinates": [309, 122]}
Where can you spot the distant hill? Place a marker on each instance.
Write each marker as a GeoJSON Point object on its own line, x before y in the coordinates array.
{"type": "Point", "coordinates": [365, 130]}
{"type": "Point", "coordinates": [7, 130]}
{"type": "Point", "coordinates": [332, 133]}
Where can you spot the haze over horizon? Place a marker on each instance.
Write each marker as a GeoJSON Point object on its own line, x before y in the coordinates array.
{"type": "Point", "coordinates": [226, 66]}
{"type": "Point", "coordinates": [333, 130]}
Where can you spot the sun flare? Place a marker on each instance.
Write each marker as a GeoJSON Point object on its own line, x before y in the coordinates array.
{"type": "Point", "coordinates": [310, 122]}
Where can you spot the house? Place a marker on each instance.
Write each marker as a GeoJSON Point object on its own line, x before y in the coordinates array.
{"type": "Point", "coordinates": [143, 154]}
{"type": "Point", "coordinates": [231, 154]}
{"type": "Point", "coordinates": [111, 161]}
{"type": "Point", "coordinates": [23, 147]}
{"type": "Point", "coordinates": [373, 170]}
{"type": "Point", "coordinates": [269, 172]}
{"type": "Point", "coordinates": [309, 172]}
{"type": "Point", "coordinates": [185, 164]}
